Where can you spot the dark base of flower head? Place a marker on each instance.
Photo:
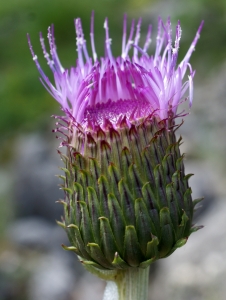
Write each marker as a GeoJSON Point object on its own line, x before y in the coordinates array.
{"type": "Point", "coordinates": [127, 202]}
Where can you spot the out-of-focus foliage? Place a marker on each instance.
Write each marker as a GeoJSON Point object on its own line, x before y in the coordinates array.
{"type": "Point", "coordinates": [212, 46]}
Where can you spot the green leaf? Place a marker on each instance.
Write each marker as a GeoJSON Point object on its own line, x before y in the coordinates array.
{"type": "Point", "coordinates": [61, 224]}
{"type": "Point", "coordinates": [167, 236]}
{"type": "Point", "coordinates": [108, 243]}
{"type": "Point", "coordinates": [147, 263]}
{"type": "Point", "coordinates": [95, 168]}
{"type": "Point", "coordinates": [66, 171]}
{"type": "Point", "coordinates": [180, 243]}
{"type": "Point", "coordinates": [79, 161]}
{"type": "Point", "coordinates": [169, 193]}
{"type": "Point", "coordinates": [144, 226]}
{"type": "Point", "coordinates": [85, 226]}
{"type": "Point", "coordinates": [154, 216]}
{"type": "Point", "coordinates": [115, 177]}
{"type": "Point", "coordinates": [105, 154]}
{"type": "Point", "coordinates": [104, 190]}
{"type": "Point", "coordinates": [86, 177]}
{"type": "Point", "coordinates": [61, 177]}
{"type": "Point", "coordinates": [196, 201]}
{"type": "Point", "coordinates": [67, 190]}
{"type": "Point", "coordinates": [126, 161]}
{"type": "Point", "coordinates": [180, 164]}
{"type": "Point", "coordinates": [136, 182]}
{"type": "Point", "coordinates": [132, 252]}
{"type": "Point", "coordinates": [149, 196]}
{"type": "Point", "coordinates": [91, 265]}
{"type": "Point", "coordinates": [148, 165]}
{"type": "Point", "coordinates": [153, 152]}
{"type": "Point", "coordinates": [174, 218]}
{"type": "Point", "coordinates": [165, 216]}
{"type": "Point", "coordinates": [183, 225]}
{"type": "Point", "coordinates": [127, 202]}
{"type": "Point", "coordinates": [160, 187]}
{"type": "Point", "coordinates": [117, 221]}
{"type": "Point", "coordinates": [119, 263]}
{"type": "Point", "coordinates": [116, 144]}
{"type": "Point", "coordinates": [94, 212]}
{"type": "Point", "coordinates": [167, 240]}
{"type": "Point", "coordinates": [98, 255]}
{"type": "Point", "coordinates": [186, 179]}
{"type": "Point", "coordinates": [195, 228]}
{"type": "Point", "coordinates": [152, 248]}
{"type": "Point", "coordinates": [175, 180]}
{"type": "Point", "coordinates": [78, 241]}
{"type": "Point", "coordinates": [70, 248]}
{"type": "Point", "coordinates": [188, 207]}
{"type": "Point", "coordinates": [167, 167]}
{"type": "Point", "coordinates": [63, 202]}
{"type": "Point", "coordinates": [79, 194]}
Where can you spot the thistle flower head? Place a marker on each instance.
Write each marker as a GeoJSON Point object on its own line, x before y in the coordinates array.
{"type": "Point", "coordinates": [109, 88]}
{"type": "Point", "coordinates": [127, 198]}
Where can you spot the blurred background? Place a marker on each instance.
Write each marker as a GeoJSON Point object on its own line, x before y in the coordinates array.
{"type": "Point", "coordinates": [33, 266]}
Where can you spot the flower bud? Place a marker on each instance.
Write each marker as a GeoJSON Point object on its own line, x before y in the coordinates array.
{"type": "Point", "coordinates": [127, 198]}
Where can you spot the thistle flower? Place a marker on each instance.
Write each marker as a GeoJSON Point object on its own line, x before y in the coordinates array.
{"type": "Point", "coordinates": [127, 199]}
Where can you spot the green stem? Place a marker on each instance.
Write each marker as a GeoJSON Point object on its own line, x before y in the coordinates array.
{"type": "Point", "coordinates": [131, 284]}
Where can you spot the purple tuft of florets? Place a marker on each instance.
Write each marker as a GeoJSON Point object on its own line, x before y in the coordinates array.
{"type": "Point", "coordinates": [109, 88]}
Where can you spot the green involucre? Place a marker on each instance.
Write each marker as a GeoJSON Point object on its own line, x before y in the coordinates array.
{"type": "Point", "coordinates": [127, 199]}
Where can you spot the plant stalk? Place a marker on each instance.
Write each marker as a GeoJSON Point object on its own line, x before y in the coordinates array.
{"type": "Point", "coordinates": [131, 284]}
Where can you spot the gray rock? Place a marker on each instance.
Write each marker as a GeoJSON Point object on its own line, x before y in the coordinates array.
{"type": "Point", "coordinates": [52, 279]}
{"type": "Point", "coordinates": [36, 233]}
{"type": "Point", "coordinates": [36, 186]}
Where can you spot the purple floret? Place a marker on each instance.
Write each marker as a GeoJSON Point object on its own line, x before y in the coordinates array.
{"type": "Point", "coordinates": [132, 86]}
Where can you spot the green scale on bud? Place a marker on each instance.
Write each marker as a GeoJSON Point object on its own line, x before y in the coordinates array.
{"type": "Point", "coordinates": [128, 202]}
